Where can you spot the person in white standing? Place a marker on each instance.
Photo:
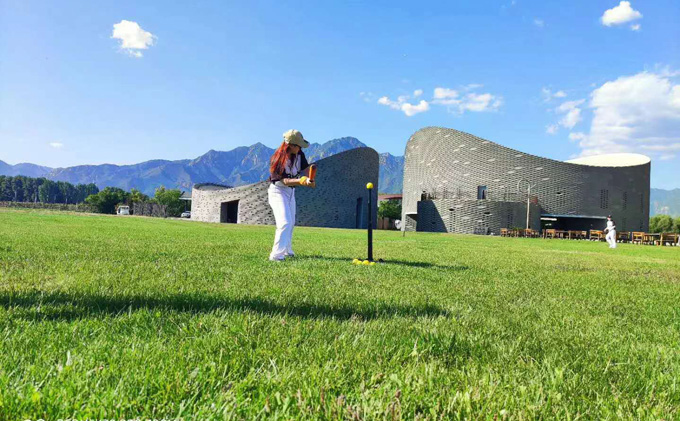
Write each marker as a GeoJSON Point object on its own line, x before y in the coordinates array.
{"type": "Point", "coordinates": [611, 232]}
{"type": "Point", "coordinates": [286, 168]}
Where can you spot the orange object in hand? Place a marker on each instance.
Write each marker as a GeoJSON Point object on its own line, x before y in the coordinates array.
{"type": "Point", "coordinates": [312, 172]}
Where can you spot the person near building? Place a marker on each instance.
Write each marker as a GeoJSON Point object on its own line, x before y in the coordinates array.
{"type": "Point", "coordinates": [287, 166]}
{"type": "Point", "coordinates": [611, 232]}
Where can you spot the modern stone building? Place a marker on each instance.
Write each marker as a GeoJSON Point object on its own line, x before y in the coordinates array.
{"type": "Point", "coordinates": [338, 201]}
{"type": "Point", "coordinates": [457, 182]}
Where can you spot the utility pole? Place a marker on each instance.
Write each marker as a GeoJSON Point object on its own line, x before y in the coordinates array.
{"type": "Point", "coordinates": [528, 196]}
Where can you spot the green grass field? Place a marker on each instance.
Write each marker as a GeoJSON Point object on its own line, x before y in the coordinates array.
{"type": "Point", "coordinates": [105, 317]}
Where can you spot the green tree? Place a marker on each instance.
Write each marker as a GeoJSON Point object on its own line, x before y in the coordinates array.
{"type": "Point", "coordinates": [171, 199]}
{"type": "Point", "coordinates": [18, 189]}
{"type": "Point", "coordinates": [6, 193]}
{"type": "Point", "coordinates": [138, 196]}
{"type": "Point", "coordinates": [389, 209]}
{"type": "Point", "coordinates": [661, 223]}
{"type": "Point", "coordinates": [106, 200]}
{"type": "Point", "coordinates": [676, 225]}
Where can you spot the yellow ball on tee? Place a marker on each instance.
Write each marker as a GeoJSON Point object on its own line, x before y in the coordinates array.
{"type": "Point", "coordinates": [369, 186]}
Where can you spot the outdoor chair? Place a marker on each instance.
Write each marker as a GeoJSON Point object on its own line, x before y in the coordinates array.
{"type": "Point", "coordinates": [651, 238]}
{"type": "Point", "coordinates": [504, 232]}
{"type": "Point", "coordinates": [669, 238]}
{"type": "Point", "coordinates": [597, 235]}
{"type": "Point", "coordinates": [549, 233]}
{"type": "Point", "coordinates": [623, 236]}
{"type": "Point", "coordinates": [530, 233]}
{"type": "Point", "coordinates": [638, 237]}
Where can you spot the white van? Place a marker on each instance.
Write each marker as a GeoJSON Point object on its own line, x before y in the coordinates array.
{"type": "Point", "coordinates": [123, 210]}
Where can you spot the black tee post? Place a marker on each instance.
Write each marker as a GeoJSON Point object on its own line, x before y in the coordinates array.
{"type": "Point", "coordinates": [369, 187]}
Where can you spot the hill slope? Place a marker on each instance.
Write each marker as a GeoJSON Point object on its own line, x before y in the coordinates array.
{"type": "Point", "coordinates": [665, 202]}
{"type": "Point", "coordinates": [239, 166]}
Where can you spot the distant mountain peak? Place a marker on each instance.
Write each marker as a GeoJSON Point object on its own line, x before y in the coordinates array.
{"type": "Point", "coordinates": [235, 167]}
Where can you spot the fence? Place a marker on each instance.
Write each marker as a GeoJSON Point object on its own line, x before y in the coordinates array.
{"type": "Point", "coordinates": [386, 224]}
{"type": "Point", "coordinates": [80, 207]}
{"type": "Point", "coordinates": [150, 209]}
{"type": "Point", "coordinates": [464, 194]}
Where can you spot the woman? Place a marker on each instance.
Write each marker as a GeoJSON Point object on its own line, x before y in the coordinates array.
{"type": "Point", "coordinates": [611, 232]}
{"type": "Point", "coordinates": [286, 169]}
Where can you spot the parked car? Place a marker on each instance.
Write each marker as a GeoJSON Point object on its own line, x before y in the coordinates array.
{"type": "Point", "coordinates": [123, 210]}
{"type": "Point", "coordinates": [185, 214]}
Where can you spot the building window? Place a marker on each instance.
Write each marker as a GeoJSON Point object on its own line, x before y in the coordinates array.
{"type": "Point", "coordinates": [481, 192]}
{"type": "Point", "coordinates": [604, 199]}
{"type": "Point", "coordinates": [642, 202]}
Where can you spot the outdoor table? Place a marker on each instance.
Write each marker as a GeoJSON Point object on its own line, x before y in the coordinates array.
{"type": "Point", "coordinates": [671, 238]}
{"type": "Point", "coordinates": [574, 234]}
{"type": "Point", "coordinates": [560, 233]}
{"type": "Point", "coordinates": [651, 238]}
{"type": "Point", "coordinates": [596, 235]}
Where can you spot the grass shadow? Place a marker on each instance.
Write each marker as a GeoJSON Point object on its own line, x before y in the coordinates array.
{"type": "Point", "coordinates": [67, 306]}
{"type": "Point", "coordinates": [390, 262]}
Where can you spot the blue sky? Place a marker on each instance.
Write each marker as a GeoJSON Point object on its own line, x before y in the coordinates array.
{"type": "Point", "coordinates": [556, 79]}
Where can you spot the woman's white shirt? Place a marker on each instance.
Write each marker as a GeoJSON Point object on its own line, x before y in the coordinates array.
{"type": "Point", "coordinates": [293, 167]}
{"type": "Point", "coordinates": [610, 226]}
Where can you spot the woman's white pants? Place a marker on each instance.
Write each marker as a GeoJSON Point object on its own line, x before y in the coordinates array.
{"type": "Point", "coordinates": [282, 202]}
{"type": "Point", "coordinates": [611, 239]}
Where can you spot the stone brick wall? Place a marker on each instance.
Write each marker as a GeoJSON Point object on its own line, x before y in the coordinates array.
{"type": "Point", "coordinates": [439, 159]}
{"type": "Point", "coordinates": [341, 180]}
{"type": "Point", "coordinates": [475, 216]}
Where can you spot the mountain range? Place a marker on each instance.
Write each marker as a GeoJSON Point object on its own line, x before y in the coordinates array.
{"type": "Point", "coordinates": [239, 166]}
{"type": "Point", "coordinates": [243, 165]}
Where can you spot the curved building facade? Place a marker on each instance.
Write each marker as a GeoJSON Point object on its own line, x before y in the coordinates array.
{"type": "Point", "coordinates": [457, 182]}
{"type": "Point", "coordinates": [338, 201]}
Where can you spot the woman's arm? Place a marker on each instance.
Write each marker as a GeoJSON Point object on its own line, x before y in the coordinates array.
{"type": "Point", "coordinates": [295, 182]}
{"type": "Point", "coordinates": [291, 182]}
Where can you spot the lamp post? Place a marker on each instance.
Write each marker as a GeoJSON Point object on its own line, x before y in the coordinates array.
{"type": "Point", "coordinates": [528, 195]}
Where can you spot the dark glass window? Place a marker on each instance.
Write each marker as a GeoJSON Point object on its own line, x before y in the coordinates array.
{"type": "Point", "coordinates": [481, 192]}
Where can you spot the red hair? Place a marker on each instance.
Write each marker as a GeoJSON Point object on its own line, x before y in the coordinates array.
{"type": "Point", "coordinates": [277, 163]}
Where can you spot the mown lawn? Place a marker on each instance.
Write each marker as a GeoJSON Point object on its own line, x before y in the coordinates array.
{"type": "Point", "coordinates": [105, 317]}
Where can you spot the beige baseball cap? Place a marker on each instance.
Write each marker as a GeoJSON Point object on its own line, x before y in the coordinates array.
{"type": "Point", "coordinates": [294, 137]}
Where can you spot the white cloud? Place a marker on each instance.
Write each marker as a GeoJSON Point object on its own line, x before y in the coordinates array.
{"type": "Point", "coordinates": [471, 101]}
{"type": "Point", "coordinates": [577, 136]}
{"type": "Point", "coordinates": [451, 98]}
{"type": "Point", "coordinates": [572, 113]}
{"type": "Point", "coordinates": [56, 145]}
{"type": "Point", "coordinates": [445, 93]}
{"type": "Point", "coordinates": [410, 109]}
{"type": "Point", "coordinates": [548, 95]}
{"type": "Point", "coordinates": [635, 27]}
{"type": "Point", "coordinates": [539, 22]}
{"type": "Point", "coordinates": [132, 37]}
{"type": "Point", "coordinates": [367, 96]}
{"type": "Point", "coordinates": [620, 14]}
{"type": "Point", "coordinates": [569, 110]}
{"type": "Point", "coordinates": [472, 86]}
{"type": "Point", "coordinates": [639, 113]}
{"type": "Point", "coordinates": [401, 104]}
{"type": "Point", "coordinates": [481, 102]}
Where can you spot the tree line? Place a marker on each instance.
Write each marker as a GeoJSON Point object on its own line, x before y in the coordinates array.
{"type": "Point", "coordinates": [107, 200]}
{"type": "Point", "coordinates": [664, 223]}
{"type": "Point", "coordinates": [42, 190]}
